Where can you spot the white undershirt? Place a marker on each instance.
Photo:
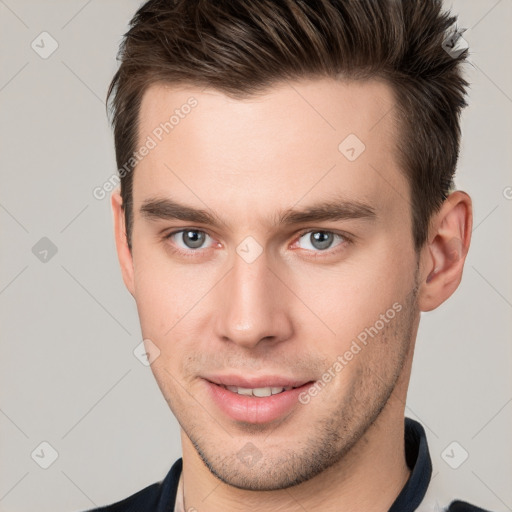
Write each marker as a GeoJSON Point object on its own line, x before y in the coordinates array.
{"type": "Point", "coordinates": [179, 505]}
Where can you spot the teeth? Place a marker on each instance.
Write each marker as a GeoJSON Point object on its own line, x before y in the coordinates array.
{"type": "Point", "coordinates": [259, 392]}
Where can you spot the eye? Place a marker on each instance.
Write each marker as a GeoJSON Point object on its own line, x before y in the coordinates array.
{"type": "Point", "coordinates": [188, 238]}
{"type": "Point", "coordinates": [320, 240]}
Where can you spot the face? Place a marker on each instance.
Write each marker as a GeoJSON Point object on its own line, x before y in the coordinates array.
{"type": "Point", "coordinates": [272, 249]}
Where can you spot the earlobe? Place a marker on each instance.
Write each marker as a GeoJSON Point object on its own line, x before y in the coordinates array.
{"type": "Point", "coordinates": [444, 254]}
{"type": "Point", "coordinates": [123, 251]}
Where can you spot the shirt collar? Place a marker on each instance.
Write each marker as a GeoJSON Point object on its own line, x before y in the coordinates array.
{"type": "Point", "coordinates": [418, 459]}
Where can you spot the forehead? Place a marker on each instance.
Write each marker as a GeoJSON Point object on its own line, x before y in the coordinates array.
{"type": "Point", "coordinates": [297, 141]}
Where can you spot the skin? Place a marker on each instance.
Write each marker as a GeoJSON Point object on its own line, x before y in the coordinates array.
{"type": "Point", "coordinates": [294, 309]}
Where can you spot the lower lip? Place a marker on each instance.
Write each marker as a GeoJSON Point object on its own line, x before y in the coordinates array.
{"type": "Point", "coordinates": [252, 409]}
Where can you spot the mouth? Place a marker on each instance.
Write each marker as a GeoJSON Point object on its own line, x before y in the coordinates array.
{"type": "Point", "coordinates": [260, 400]}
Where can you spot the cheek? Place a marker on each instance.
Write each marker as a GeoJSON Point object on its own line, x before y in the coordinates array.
{"type": "Point", "coordinates": [169, 304]}
{"type": "Point", "coordinates": [352, 296]}
{"type": "Point", "coordinates": [159, 294]}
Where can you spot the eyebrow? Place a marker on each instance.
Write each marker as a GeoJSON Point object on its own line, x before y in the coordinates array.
{"type": "Point", "coordinates": [332, 210]}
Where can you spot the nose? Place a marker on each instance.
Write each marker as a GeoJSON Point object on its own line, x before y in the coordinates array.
{"type": "Point", "coordinates": [252, 306]}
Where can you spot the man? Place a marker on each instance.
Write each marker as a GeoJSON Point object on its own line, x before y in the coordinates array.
{"type": "Point", "coordinates": [286, 212]}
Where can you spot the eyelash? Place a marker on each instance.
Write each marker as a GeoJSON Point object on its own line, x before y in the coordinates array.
{"type": "Point", "coordinates": [346, 240]}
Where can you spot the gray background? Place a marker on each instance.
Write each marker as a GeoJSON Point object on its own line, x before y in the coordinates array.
{"type": "Point", "coordinates": [69, 327]}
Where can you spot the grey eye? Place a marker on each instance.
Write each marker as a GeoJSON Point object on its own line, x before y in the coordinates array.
{"type": "Point", "coordinates": [190, 238]}
{"type": "Point", "coordinates": [319, 240]}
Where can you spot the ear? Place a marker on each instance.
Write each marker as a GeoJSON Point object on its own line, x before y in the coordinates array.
{"type": "Point", "coordinates": [123, 251]}
{"type": "Point", "coordinates": [444, 254]}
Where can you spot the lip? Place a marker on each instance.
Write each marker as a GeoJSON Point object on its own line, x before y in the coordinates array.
{"type": "Point", "coordinates": [263, 381]}
{"type": "Point", "coordinates": [251, 409]}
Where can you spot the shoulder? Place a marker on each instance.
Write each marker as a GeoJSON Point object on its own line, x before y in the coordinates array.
{"type": "Point", "coordinates": [462, 506]}
{"type": "Point", "coordinates": [154, 498]}
{"type": "Point", "coordinates": [142, 501]}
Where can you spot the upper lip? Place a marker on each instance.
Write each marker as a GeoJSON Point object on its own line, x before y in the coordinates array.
{"type": "Point", "coordinates": [262, 381]}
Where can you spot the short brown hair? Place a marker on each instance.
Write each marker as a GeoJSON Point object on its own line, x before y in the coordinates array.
{"type": "Point", "coordinates": [242, 47]}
